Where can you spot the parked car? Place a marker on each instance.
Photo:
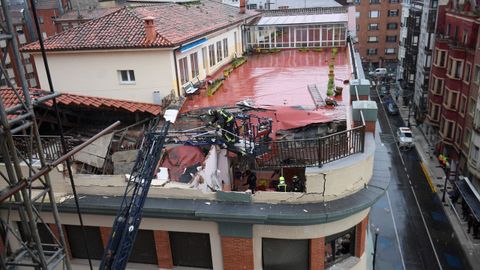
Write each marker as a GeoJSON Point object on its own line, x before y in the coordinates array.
{"type": "Point", "coordinates": [392, 108]}
{"type": "Point", "coordinates": [405, 137]}
{"type": "Point", "coordinates": [378, 72]}
{"type": "Point", "coordinates": [384, 91]}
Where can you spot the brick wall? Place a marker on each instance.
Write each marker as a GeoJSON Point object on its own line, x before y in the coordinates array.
{"type": "Point", "coordinates": [237, 253]}
{"type": "Point", "coordinates": [164, 253]}
{"type": "Point", "coordinates": [317, 254]}
{"type": "Point", "coordinates": [105, 234]}
{"type": "Point", "coordinates": [360, 237]}
{"type": "Point", "coordinates": [54, 230]}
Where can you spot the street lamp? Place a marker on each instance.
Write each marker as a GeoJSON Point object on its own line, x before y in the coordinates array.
{"type": "Point", "coordinates": [377, 231]}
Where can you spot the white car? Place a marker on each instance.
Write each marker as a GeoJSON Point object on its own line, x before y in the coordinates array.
{"type": "Point", "coordinates": [405, 137]}
{"type": "Point", "coordinates": [378, 72]}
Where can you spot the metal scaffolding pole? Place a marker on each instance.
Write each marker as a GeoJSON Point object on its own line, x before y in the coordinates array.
{"type": "Point", "coordinates": [22, 243]}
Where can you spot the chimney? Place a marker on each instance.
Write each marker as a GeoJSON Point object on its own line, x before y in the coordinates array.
{"type": "Point", "coordinates": [242, 6]}
{"type": "Point", "coordinates": [150, 33]}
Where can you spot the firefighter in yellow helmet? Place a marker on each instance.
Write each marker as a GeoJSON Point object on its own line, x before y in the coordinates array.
{"type": "Point", "coordinates": [225, 121]}
{"type": "Point", "coordinates": [282, 186]}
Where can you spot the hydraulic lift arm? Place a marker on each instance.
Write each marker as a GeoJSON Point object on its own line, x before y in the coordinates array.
{"type": "Point", "coordinates": [128, 219]}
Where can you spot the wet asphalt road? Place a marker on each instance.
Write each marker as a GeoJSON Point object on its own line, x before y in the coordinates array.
{"type": "Point", "coordinates": [409, 238]}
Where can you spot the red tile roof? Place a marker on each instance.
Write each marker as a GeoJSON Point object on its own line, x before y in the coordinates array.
{"type": "Point", "coordinates": [174, 25]}
{"type": "Point", "coordinates": [9, 99]}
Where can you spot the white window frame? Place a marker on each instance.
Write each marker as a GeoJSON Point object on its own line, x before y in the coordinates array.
{"type": "Point", "coordinates": [372, 39]}
{"type": "Point", "coordinates": [458, 135]}
{"type": "Point", "coordinates": [130, 74]}
{"type": "Point", "coordinates": [449, 103]}
{"type": "Point", "coordinates": [371, 14]}
{"type": "Point", "coordinates": [466, 137]}
{"type": "Point", "coordinates": [472, 105]}
{"type": "Point", "coordinates": [453, 64]}
{"type": "Point", "coordinates": [463, 105]}
{"type": "Point", "coordinates": [437, 58]}
{"type": "Point", "coordinates": [389, 49]}
{"type": "Point", "coordinates": [476, 74]}
{"type": "Point", "coordinates": [184, 70]}
{"type": "Point", "coordinates": [467, 75]}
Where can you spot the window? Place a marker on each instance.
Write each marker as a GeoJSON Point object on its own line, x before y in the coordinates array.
{"type": "Point", "coordinates": [434, 111]}
{"type": "Point", "coordinates": [373, 26]}
{"type": "Point", "coordinates": [393, 13]}
{"type": "Point", "coordinates": [391, 26]}
{"type": "Point", "coordinates": [358, 27]}
{"type": "Point", "coordinates": [468, 68]}
{"type": "Point", "coordinates": [465, 37]}
{"type": "Point", "coordinates": [450, 99]}
{"type": "Point", "coordinates": [211, 54]}
{"type": "Point", "coordinates": [194, 64]}
{"type": "Point", "coordinates": [285, 253]}
{"type": "Point", "coordinates": [235, 41]}
{"type": "Point", "coordinates": [391, 39]}
{"type": "Point", "coordinates": [471, 107]}
{"type": "Point", "coordinates": [219, 51]}
{"type": "Point", "coordinates": [373, 39]}
{"type": "Point", "coordinates": [144, 248]}
{"type": "Point", "coordinates": [182, 244]}
{"type": "Point", "coordinates": [225, 47]}
{"type": "Point", "coordinates": [374, 14]}
{"type": "Point", "coordinates": [126, 76]}
{"type": "Point", "coordinates": [393, 1]}
{"type": "Point", "coordinates": [374, 1]}
{"type": "Point", "coordinates": [447, 30]}
{"type": "Point", "coordinates": [448, 129]}
{"type": "Point", "coordinates": [357, 14]}
{"type": "Point", "coordinates": [371, 51]}
{"type": "Point", "coordinates": [183, 66]}
{"type": "Point", "coordinates": [463, 105]}
{"type": "Point", "coordinates": [357, 2]}
{"type": "Point", "coordinates": [476, 74]}
{"type": "Point", "coordinates": [455, 68]}
{"type": "Point", "coordinates": [474, 154]}
{"type": "Point", "coordinates": [390, 51]}
{"type": "Point", "coordinates": [204, 57]}
{"type": "Point", "coordinates": [466, 137]}
{"type": "Point", "coordinates": [339, 247]}
{"type": "Point", "coordinates": [40, 19]}
{"type": "Point", "coordinates": [458, 135]}
{"type": "Point", "coordinates": [440, 58]}
{"type": "Point", "coordinates": [75, 240]}
{"type": "Point", "coordinates": [252, 6]}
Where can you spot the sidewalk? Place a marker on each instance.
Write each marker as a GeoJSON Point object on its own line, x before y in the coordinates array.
{"type": "Point", "coordinates": [436, 177]}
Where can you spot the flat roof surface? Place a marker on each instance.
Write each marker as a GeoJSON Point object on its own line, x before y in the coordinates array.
{"type": "Point", "coordinates": [278, 81]}
{"type": "Point", "coordinates": [304, 19]}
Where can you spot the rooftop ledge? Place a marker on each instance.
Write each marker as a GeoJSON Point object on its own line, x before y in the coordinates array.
{"type": "Point", "coordinates": [345, 193]}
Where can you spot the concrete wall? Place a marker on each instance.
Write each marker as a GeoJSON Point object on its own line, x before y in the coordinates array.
{"type": "Point", "coordinates": [96, 73]}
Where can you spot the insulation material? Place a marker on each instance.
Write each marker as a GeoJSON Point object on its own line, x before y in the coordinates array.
{"type": "Point", "coordinates": [215, 171]}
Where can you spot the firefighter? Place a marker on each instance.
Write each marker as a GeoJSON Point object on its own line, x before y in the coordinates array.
{"type": "Point", "coordinates": [225, 121]}
{"type": "Point", "coordinates": [281, 184]}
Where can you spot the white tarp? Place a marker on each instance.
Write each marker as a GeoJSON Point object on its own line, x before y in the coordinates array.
{"type": "Point", "coordinates": [304, 19]}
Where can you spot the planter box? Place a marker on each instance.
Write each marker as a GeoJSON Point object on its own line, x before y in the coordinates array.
{"type": "Point", "coordinates": [238, 62]}
{"type": "Point", "coordinates": [211, 89]}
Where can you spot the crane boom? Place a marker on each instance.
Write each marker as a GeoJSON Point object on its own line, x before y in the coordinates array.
{"type": "Point", "coordinates": [129, 216]}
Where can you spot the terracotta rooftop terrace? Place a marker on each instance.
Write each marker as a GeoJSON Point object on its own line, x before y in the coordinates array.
{"type": "Point", "coordinates": [279, 81]}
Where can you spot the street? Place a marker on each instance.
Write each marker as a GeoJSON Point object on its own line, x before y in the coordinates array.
{"type": "Point", "coordinates": [413, 230]}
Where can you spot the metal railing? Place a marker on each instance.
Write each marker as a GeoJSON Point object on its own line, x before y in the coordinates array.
{"type": "Point", "coordinates": [313, 152]}
{"type": "Point", "coordinates": [52, 146]}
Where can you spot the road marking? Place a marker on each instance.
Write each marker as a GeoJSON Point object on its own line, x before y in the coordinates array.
{"type": "Point", "coordinates": [427, 175]}
{"type": "Point", "coordinates": [426, 228]}
{"type": "Point", "coordinates": [396, 231]}
{"type": "Point", "coordinates": [416, 200]}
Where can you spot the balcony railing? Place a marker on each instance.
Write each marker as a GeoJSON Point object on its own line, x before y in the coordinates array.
{"type": "Point", "coordinates": [313, 152]}
{"type": "Point", "coordinates": [52, 146]}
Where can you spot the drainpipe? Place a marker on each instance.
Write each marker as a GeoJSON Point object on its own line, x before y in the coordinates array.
{"type": "Point", "coordinates": [176, 71]}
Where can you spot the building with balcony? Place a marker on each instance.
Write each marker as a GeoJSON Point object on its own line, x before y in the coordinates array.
{"type": "Point", "coordinates": [200, 211]}
{"type": "Point", "coordinates": [378, 29]}
{"type": "Point", "coordinates": [409, 45]}
{"type": "Point", "coordinates": [426, 44]}
{"type": "Point", "coordinates": [452, 90]}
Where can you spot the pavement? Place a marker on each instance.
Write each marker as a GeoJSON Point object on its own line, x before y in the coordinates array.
{"type": "Point", "coordinates": [436, 179]}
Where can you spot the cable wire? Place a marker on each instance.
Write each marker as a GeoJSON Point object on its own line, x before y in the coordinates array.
{"type": "Point", "coordinates": [62, 137]}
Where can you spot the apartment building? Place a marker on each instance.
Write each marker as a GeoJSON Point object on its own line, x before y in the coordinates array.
{"type": "Point", "coordinates": [378, 29]}
{"type": "Point", "coordinates": [426, 44]}
{"type": "Point", "coordinates": [212, 220]}
{"type": "Point", "coordinates": [453, 87]}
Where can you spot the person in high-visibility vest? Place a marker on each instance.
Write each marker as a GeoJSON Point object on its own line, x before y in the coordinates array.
{"type": "Point", "coordinates": [281, 184]}
{"type": "Point", "coordinates": [226, 121]}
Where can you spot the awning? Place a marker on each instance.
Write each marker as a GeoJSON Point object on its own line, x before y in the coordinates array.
{"type": "Point", "coordinates": [304, 19]}
{"type": "Point", "coordinates": [470, 198]}
{"type": "Point", "coordinates": [192, 45]}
